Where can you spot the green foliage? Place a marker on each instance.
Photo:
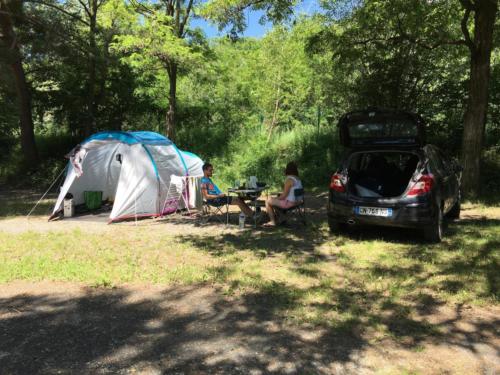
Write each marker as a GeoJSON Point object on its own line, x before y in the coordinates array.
{"type": "Point", "coordinates": [52, 149]}
{"type": "Point", "coordinates": [400, 54]}
{"type": "Point", "coordinates": [269, 84]}
{"type": "Point", "coordinates": [217, 100]}
{"type": "Point", "coordinates": [154, 43]}
{"type": "Point", "coordinates": [316, 151]}
{"type": "Point", "coordinates": [230, 13]}
{"type": "Point", "coordinates": [249, 105]}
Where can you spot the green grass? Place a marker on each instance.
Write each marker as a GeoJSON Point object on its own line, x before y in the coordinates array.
{"type": "Point", "coordinates": [378, 279]}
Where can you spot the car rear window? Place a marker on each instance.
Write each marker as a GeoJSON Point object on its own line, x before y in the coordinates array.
{"type": "Point", "coordinates": [386, 128]}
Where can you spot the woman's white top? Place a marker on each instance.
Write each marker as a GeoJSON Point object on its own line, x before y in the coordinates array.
{"type": "Point", "coordinates": [297, 184]}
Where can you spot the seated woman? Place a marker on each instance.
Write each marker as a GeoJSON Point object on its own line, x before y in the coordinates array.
{"type": "Point", "coordinates": [287, 198]}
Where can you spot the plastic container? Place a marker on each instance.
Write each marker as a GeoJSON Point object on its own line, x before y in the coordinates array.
{"type": "Point", "coordinates": [93, 199]}
{"type": "Point", "coordinates": [241, 221]}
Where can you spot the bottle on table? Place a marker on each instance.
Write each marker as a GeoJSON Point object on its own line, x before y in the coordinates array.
{"type": "Point", "coordinates": [241, 221]}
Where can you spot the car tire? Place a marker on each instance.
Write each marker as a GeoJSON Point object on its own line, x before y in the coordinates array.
{"type": "Point", "coordinates": [454, 213]}
{"type": "Point", "coordinates": [434, 232]}
{"type": "Point", "coordinates": [336, 227]}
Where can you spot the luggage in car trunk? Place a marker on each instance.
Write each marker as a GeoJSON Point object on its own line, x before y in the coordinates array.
{"type": "Point", "coordinates": [381, 174]}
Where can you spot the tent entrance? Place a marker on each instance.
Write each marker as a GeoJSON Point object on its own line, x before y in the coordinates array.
{"type": "Point", "coordinates": [101, 168]}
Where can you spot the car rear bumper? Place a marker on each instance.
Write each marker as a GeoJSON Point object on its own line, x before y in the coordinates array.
{"type": "Point", "coordinates": [406, 214]}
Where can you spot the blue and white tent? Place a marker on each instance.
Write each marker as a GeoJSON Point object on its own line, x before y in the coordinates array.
{"type": "Point", "coordinates": [132, 169]}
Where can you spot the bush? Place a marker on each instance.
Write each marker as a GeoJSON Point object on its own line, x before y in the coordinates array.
{"type": "Point", "coordinates": [253, 153]}
{"type": "Point", "coordinates": [51, 149]}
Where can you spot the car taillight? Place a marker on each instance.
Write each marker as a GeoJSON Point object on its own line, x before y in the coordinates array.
{"type": "Point", "coordinates": [422, 186]}
{"type": "Point", "coordinates": [336, 183]}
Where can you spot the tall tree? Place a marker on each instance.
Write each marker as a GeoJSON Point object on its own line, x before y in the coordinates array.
{"type": "Point", "coordinates": [163, 39]}
{"type": "Point", "coordinates": [86, 13]}
{"type": "Point", "coordinates": [286, 89]}
{"type": "Point", "coordinates": [80, 82]}
{"type": "Point", "coordinates": [10, 43]}
{"type": "Point", "coordinates": [480, 45]}
{"type": "Point", "coordinates": [432, 25]}
{"type": "Point", "coordinates": [91, 9]}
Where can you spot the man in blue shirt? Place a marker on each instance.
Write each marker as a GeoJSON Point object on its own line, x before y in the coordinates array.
{"type": "Point", "coordinates": [214, 196]}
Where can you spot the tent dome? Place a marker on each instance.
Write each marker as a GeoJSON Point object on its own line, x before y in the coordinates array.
{"type": "Point", "coordinates": [131, 169]}
{"type": "Point", "coordinates": [143, 137]}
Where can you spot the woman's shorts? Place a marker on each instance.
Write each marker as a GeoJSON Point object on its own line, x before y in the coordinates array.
{"type": "Point", "coordinates": [282, 203]}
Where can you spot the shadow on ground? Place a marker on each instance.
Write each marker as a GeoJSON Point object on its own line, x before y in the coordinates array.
{"type": "Point", "coordinates": [196, 330]}
{"type": "Point", "coordinates": [200, 330]}
{"type": "Point", "coordinates": [173, 331]}
{"type": "Point", "coordinates": [414, 236]}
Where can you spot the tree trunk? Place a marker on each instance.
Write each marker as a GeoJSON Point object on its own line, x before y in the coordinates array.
{"type": "Point", "coordinates": [90, 127]}
{"type": "Point", "coordinates": [274, 120]}
{"type": "Point", "coordinates": [171, 113]}
{"type": "Point", "coordinates": [477, 102]}
{"type": "Point", "coordinates": [28, 145]}
{"type": "Point", "coordinates": [275, 116]}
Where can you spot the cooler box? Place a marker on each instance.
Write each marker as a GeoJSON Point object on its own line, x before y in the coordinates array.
{"type": "Point", "coordinates": [93, 199]}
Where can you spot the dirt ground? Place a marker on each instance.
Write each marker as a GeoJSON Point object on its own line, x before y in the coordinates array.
{"type": "Point", "coordinates": [53, 328]}
{"type": "Point", "coordinates": [178, 224]}
{"type": "Point", "coordinates": [68, 328]}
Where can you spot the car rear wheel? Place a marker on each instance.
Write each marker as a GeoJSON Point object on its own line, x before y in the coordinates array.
{"type": "Point", "coordinates": [434, 232]}
{"type": "Point", "coordinates": [454, 213]}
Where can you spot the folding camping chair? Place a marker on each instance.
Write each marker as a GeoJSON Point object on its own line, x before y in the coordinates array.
{"type": "Point", "coordinates": [175, 194]}
{"type": "Point", "coordinates": [299, 210]}
{"type": "Point", "coordinates": [213, 210]}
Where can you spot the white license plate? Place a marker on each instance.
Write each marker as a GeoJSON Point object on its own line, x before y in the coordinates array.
{"type": "Point", "coordinates": [374, 211]}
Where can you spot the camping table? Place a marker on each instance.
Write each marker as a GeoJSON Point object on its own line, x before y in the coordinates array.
{"type": "Point", "coordinates": [247, 192]}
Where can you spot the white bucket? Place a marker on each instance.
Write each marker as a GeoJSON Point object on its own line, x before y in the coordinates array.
{"type": "Point", "coordinates": [69, 208]}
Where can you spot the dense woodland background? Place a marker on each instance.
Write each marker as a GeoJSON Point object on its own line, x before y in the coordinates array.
{"type": "Point", "coordinates": [247, 105]}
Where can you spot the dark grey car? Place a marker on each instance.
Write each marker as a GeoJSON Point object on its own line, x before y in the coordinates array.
{"type": "Point", "coordinates": [389, 176]}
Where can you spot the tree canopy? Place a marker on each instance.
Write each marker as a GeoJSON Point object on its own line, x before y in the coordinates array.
{"type": "Point", "coordinates": [70, 68]}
